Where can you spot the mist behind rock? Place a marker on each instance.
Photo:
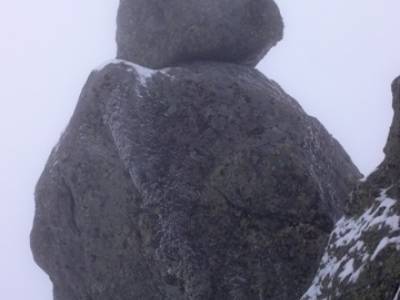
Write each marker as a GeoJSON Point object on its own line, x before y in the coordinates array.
{"type": "Point", "coordinates": [338, 59]}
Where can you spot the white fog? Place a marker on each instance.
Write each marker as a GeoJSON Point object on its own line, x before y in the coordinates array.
{"type": "Point", "coordinates": [337, 59]}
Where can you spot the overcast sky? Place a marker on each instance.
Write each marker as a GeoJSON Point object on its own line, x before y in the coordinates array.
{"type": "Point", "coordinates": [338, 59]}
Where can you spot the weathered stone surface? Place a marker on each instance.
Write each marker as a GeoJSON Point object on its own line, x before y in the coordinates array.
{"type": "Point", "coordinates": [362, 260]}
{"type": "Point", "coordinates": [204, 181]}
{"type": "Point", "coordinates": [159, 33]}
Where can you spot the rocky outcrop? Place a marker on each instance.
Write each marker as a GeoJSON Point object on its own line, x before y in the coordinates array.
{"type": "Point", "coordinates": [362, 260]}
{"type": "Point", "coordinates": [158, 33]}
{"type": "Point", "coordinates": [201, 181]}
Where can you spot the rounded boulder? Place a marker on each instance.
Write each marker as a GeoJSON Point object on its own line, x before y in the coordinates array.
{"type": "Point", "coordinates": [157, 33]}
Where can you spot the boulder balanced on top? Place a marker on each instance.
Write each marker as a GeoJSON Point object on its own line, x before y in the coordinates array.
{"type": "Point", "coordinates": [159, 33]}
{"type": "Point", "coordinates": [201, 181]}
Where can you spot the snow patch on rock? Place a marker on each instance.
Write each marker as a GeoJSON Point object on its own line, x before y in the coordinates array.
{"type": "Point", "coordinates": [397, 296]}
{"type": "Point", "coordinates": [143, 73]}
{"type": "Point", "coordinates": [347, 253]}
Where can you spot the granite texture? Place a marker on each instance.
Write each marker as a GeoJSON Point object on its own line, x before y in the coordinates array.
{"type": "Point", "coordinates": [362, 260]}
{"type": "Point", "coordinates": [159, 33]}
{"type": "Point", "coordinates": [202, 181]}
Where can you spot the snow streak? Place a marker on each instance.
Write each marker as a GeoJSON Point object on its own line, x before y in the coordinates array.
{"type": "Point", "coordinates": [348, 254]}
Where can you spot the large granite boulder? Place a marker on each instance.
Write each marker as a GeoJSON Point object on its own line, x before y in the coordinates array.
{"type": "Point", "coordinates": [362, 260]}
{"type": "Point", "coordinates": [159, 33]}
{"type": "Point", "coordinates": [203, 181]}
